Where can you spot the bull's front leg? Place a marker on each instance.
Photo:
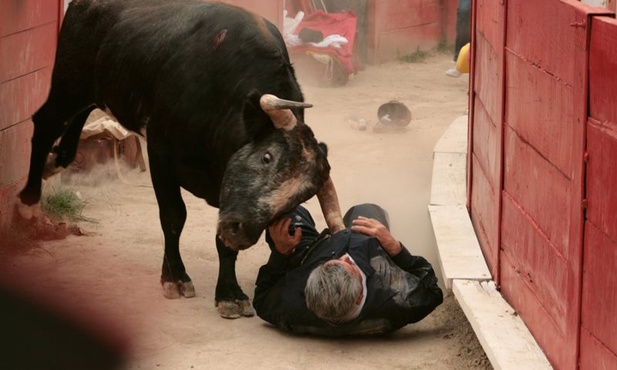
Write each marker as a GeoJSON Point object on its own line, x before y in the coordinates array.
{"type": "Point", "coordinates": [230, 300]}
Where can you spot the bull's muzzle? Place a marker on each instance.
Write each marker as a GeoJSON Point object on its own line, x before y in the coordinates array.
{"type": "Point", "coordinates": [235, 234]}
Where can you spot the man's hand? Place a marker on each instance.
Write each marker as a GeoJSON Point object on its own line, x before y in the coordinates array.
{"type": "Point", "coordinates": [372, 227]}
{"type": "Point", "coordinates": [283, 242]}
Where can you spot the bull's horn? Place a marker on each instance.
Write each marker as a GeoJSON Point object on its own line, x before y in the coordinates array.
{"type": "Point", "coordinates": [279, 110]}
{"type": "Point", "coordinates": [328, 200]}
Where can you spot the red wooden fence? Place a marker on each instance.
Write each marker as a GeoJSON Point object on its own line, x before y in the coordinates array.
{"type": "Point", "coordinates": [28, 37]}
{"type": "Point", "coordinates": [599, 299]}
{"type": "Point", "coordinates": [540, 73]}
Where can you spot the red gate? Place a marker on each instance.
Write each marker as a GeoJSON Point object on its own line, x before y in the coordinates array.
{"type": "Point", "coordinates": [534, 72]}
{"type": "Point", "coordinates": [28, 37]}
{"type": "Point", "coordinates": [599, 299]}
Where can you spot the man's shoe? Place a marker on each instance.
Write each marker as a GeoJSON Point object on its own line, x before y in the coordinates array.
{"type": "Point", "coordinates": [452, 72]}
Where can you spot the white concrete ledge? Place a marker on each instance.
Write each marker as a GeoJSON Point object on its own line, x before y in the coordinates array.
{"type": "Point", "coordinates": [460, 255]}
{"type": "Point", "coordinates": [506, 340]}
{"type": "Point", "coordinates": [503, 335]}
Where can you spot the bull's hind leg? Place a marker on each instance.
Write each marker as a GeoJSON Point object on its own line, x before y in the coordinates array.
{"type": "Point", "coordinates": [50, 122]}
{"type": "Point", "coordinates": [231, 302]}
{"type": "Point", "coordinates": [172, 213]}
{"type": "Point", "coordinates": [65, 152]}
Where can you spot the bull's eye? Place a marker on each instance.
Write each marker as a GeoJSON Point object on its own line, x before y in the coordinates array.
{"type": "Point", "coordinates": [267, 158]}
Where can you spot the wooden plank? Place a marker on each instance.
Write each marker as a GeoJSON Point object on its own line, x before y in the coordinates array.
{"type": "Point", "coordinates": [7, 201]}
{"type": "Point", "coordinates": [27, 51]}
{"type": "Point", "coordinates": [536, 262]}
{"type": "Point", "coordinates": [460, 255]}
{"type": "Point", "coordinates": [599, 306]}
{"type": "Point", "coordinates": [485, 215]}
{"type": "Point", "coordinates": [21, 97]}
{"type": "Point", "coordinates": [601, 176]}
{"type": "Point", "coordinates": [547, 334]}
{"type": "Point", "coordinates": [603, 70]}
{"type": "Point", "coordinates": [487, 146]}
{"type": "Point", "coordinates": [15, 158]}
{"type": "Point", "coordinates": [503, 335]}
{"type": "Point", "coordinates": [489, 22]}
{"type": "Point", "coordinates": [551, 35]}
{"type": "Point", "coordinates": [20, 15]}
{"type": "Point", "coordinates": [488, 79]}
{"type": "Point", "coordinates": [594, 355]}
{"type": "Point", "coordinates": [547, 120]}
{"type": "Point", "coordinates": [548, 205]}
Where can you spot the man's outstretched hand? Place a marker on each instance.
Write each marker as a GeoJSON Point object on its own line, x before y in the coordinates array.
{"type": "Point", "coordinates": [279, 232]}
{"type": "Point", "coordinates": [374, 228]}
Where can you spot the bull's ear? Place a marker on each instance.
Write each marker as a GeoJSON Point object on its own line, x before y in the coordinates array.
{"type": "Point", "coordinates": [323, 147]}
{"type": "Point", "coordinates": [256, 121]}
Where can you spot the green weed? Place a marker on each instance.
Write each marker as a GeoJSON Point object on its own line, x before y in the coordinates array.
{"type": "Point", "coordinates": [415, 57]}
{"type": "Point", "coordinates": [64, 204]}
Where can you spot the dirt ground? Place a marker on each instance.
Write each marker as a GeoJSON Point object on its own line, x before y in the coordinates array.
{"type": "Point", "coordinates": [110, 276]}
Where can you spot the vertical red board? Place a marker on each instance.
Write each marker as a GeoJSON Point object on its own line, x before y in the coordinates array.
{"type": "Point", "coordinates": [20, 15]}
{"type": "Point", "coordinates": [24, 52]}
{"type": "Point", "coordinates": [486, 184]}
{"type": "Point", "coordinates": [21, 97]}
{"type": "Point", "coordinates": [485, 142]}
{"type": "Point", "coordinates": [540, 110]}
{"type": "Point", "coordinates": [598, 346]}
{"type": "Point", "coordinates": [599, 309]}
{"type": "Point", "coordinates": [15, 147]}
{"type": "Point", "coordinates": [484, 216]}
{"type": "Point", "coordinates": [603, 70]}
{"type": "Point", "coordinates": [28, 38]}
{"type": "Point", "coordinates": [594, 355]}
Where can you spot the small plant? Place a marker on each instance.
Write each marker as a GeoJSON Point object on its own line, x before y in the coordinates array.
{"type": "Point", "coordinates": [415, 57]}
{"type": "Point", "coordinates": [64, 204]}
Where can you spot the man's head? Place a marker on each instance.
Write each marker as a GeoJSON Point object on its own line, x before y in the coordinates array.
{"type": "Point", "coordinates": [334, 289]}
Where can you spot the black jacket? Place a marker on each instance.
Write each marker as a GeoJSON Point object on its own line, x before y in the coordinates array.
{"type": "Point", "coordinates": [400, 290]}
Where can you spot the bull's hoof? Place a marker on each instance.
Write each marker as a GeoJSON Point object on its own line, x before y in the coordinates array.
{"type": "Point", "coordinates": [187, 289]}
{"type": "Point", "coordinates": [246, 309]}
{"type": "Point", "coordinates": [27, 212]}
{"type": "Point", "coordinates": [235, 309]}
{"type": "Point", "coordinates": [175, 290]}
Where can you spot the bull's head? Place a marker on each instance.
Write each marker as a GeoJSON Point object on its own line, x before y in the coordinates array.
{"type": "Point", "coordinates": [272, 175]}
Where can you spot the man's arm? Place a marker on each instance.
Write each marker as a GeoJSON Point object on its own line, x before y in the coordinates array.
{"type": "Point", "coordinates": [265, 299]}
{"type": "Point", "coordinates": [422, 294]}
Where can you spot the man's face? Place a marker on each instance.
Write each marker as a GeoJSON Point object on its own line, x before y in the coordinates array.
{"type": "Point", "coordinates": [348, 265]}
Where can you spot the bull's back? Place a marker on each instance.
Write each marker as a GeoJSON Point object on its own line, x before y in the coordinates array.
{"type": "Point", "coordinates": [182, 60]}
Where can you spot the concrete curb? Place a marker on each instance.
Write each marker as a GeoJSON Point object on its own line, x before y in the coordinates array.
{"type": "Point", "coordinates": [502, 333]}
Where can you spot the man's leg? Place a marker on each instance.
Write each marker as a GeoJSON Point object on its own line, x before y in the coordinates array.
{"type": "Point", "coordinates": [367, 210]}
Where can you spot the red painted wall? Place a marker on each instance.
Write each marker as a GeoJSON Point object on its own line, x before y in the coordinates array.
{"type": "Point", "coordinates": [535, 165]}
{"type": "Point", "coordinates": [28, 37]}
{"type": "Point", "coordinates": [399, 27]}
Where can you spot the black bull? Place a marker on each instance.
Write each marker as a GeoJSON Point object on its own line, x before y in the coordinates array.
{"type": "Point", "coordinates": [200, 81]}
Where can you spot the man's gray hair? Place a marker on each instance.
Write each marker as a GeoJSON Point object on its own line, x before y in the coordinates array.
{"type": "Point", "coordinates": [331, 292]}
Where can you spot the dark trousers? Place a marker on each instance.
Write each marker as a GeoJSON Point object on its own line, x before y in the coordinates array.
{"type": "Point", "coordinates": [463, 26]}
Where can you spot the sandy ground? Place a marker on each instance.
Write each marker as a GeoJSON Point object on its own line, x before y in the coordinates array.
{"type": "Point", "coordinates": [111, 275]}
